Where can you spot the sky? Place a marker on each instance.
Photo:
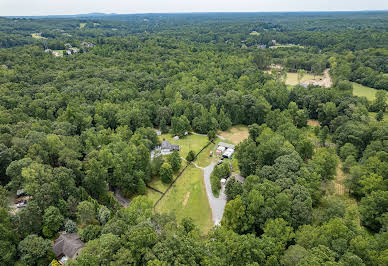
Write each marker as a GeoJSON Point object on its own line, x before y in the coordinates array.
{"type": "Point", "coordinates": [71, 7]}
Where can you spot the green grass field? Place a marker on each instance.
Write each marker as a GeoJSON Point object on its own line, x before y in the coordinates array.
{"type": "Point", "coordinates": [152, 195]}
{"type": "Point", "coordinates": [187, 198]}
{"type": "Point", "coordinates": [37, 36]}
{"type": "Point", "coordinates": [187, 143]}
{"type": "Point", "coordinates": [364, 91]}
{"type": "Point", "coordinates": [292, 78]}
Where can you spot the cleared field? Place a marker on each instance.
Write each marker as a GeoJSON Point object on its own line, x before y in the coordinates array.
{"type": "Point", "coordinates": [292, 78]}
{"type": "Point", "coordinates": [37, 36]}
{"type": "Point", "coordinates": [236, 134]}
{"type": "Point", "coordinates": [372, 115]}
{"type": "Point", "coordinates": [313, 123]}
{"type": "Point", "coordinates": [191, 142]}
{"type": "Point", "coordinates": [187, 198]}
{"type": "Point", "coordinates": [364, 91]}
{"type": "Point", "coordinates": [286, 46]}
{"type": "Point", "coordinates": [82, 25]}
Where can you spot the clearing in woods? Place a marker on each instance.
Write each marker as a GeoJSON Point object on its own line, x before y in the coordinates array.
{"type": "Point", "coordinates": [236, 134]}
{"type": "Point", "coordinates": [313, 123]}
{"type": "Point", "coordinates": [292, 78]}
{"type": "Point", "coordinates": [342, 191]}
{"type": "Point", "coordinates": [364, 91]}
{"type": "Point", "coordinates": [187, 198]}
{"type": "Point", "coordinates": [339, 181]}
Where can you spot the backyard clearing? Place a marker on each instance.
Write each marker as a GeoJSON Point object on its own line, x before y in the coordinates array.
{"type": "Point", "coordinates": [235, 134]}
{"type": "Point", "coordinates": [187, 198]}
{"type": "Point", "coordinates": [191, 142]}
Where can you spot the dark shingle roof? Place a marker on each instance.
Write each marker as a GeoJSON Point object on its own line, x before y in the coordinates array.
{"type": "Point", "coordinates": [168, 146]}
{"type": "Point", "coordinates": [68, 245]}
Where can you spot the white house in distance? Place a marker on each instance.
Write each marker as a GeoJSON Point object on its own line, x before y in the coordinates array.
{"type": "Point", "coordinates": [225, 149]}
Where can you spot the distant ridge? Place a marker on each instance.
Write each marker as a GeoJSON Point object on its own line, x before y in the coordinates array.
{"type": "Point", "coordinates": [100, 15]}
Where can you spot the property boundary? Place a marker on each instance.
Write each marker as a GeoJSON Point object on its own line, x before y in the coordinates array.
{"type": "Point", "coordinates": [154, 189]}
{"type": "Point", "coordinates": [180, 173]}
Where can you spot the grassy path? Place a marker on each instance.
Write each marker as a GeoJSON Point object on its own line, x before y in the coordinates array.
{"type": "Point", "coordinates": [342, 191]}
{"type": "Point", "coordinates": [339, 182]}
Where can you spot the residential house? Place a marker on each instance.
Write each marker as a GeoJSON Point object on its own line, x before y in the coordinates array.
{"type": "Point", "coordinates": [168, 147]}
{"type": "Point", "coordinates": [68, 246]}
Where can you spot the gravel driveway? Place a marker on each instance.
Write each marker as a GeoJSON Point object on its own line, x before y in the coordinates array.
{"type": "Point", "coordinates": [217, 205]}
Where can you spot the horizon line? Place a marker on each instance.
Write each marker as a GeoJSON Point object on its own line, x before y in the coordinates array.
{"type": "Point", "coordinates": [196, 12]}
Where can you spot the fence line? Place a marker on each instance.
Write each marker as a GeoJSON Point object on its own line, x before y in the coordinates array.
{"type": "Point", "coordinates": [154, 189]}
{"type": "Point", "coordinates": [180, 173]}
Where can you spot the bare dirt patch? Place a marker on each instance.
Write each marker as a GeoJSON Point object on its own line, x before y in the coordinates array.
{"type": "Point", "coordinates": [313, 123]}
{"type": "Point", "coordinates": [186, 199]}
{"type": "Point", "coordinates": [324, 81]}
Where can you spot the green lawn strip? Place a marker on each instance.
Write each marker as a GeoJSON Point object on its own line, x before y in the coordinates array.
{"type": "Point", "coordinates": [187, 198]}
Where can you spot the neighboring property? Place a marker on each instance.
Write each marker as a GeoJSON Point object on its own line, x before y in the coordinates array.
{"type": "Point", "coordinates": [225, 149]}
{"type": "Point", "coordinates": [87, 44]}
{"type": "Point", "coordinates": [22, 202]}
{"type": "Point", "coordinates": [168, 147]}
{"type": "Point", "coordinates": [67, 246]}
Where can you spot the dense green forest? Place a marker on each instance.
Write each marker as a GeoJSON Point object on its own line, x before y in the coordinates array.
{"type": "Point", "coordinates": [75, 128]}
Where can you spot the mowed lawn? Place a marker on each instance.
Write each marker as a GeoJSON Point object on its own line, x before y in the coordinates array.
{"type": "Point", "coordinates": [236, 134]}
{"type": "Point", "coordinates": [191, 142]}
{"type": "Point", "coordinates": [187, 198]}
{"type": "Point", "coordinates": [292, 78]}
{"type": "Point", "coordinates": [364, 91]}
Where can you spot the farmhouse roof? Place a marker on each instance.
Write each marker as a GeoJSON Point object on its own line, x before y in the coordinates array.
{"type": "Point", "coordinates": [68, 245]}
{"type": "Point", "coordinates": [168, 146]}
{"type": "Point", "coordinates": [226, 145]}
